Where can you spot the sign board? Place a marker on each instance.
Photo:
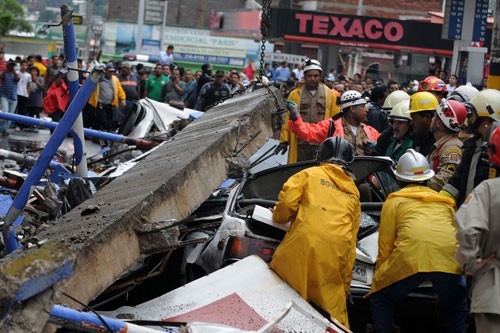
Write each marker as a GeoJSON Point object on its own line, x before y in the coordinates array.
{"type": "Point", "coordinates": [465, 20]}
{"type": "Point", "coordinates": [214, 60]}
{"type": "Point", "coordinates": [358, 31]}
{"type": "Point", "coordinates": [77, 19]}
{"type": "Point", "coordinates": [150, 46]}
{"type": "Point", "coordinates": [153, 11]}
{"type": "Point", "coordinates": [280, 57]}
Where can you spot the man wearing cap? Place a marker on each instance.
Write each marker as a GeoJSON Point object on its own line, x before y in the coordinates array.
{"type": "Point", "coordinates": [315, 102]}
{"type": "Point", "coordinates": [213, 92]}
{"type": "Point", "coordinates": [130, 85]}
{"type": "Point", "coordinates": [155, 83]}
{"type": "Point", "coordinates": [107, 96]}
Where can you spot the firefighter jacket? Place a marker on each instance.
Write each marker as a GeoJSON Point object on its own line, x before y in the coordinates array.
{"type": "Point", "coordinates": [444, 159]}
{"type": "Point", "coordinates": [118, 93]}
{"type": "Point", "coordinates": [317, 255]}
{"type": "Point", "coordinates": [322, 106]}
{"type": "Point", "coordinates": [416, 235]}
{"type": "Point", "coordinates": [478, 235]}
{"type": "Point", "coordinates": [472, 170]}
{"type": "Point", "coordinates": [365, 137]}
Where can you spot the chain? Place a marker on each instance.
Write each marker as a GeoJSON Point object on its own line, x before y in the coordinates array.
{"type": "Point", "coordinates": [278, 115]}
{"type": "Point", "coordinates": [265, 25]}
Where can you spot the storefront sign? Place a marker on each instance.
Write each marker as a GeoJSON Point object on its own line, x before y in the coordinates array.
{"type": "Point", "coordinates": [465, 20]}
{"type": "Point", "coordinates": [358, 31]}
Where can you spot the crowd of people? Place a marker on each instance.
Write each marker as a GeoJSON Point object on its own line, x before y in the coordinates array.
{"type": "Point", "coordinates": [443, 139]}
{"type": "Point", "coordinates": [436, 131]}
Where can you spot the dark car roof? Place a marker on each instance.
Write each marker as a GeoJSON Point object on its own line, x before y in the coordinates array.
{"type": "Point", "coordinates": [266, 184]}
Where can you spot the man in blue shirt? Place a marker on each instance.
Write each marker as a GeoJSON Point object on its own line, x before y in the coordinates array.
{"type": "Point", "coordinates": [282, 73]}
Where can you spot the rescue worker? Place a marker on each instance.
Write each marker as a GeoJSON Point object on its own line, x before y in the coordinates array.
{"type": "Point", "coordinates": [386, 136]}
{"type": "Point", "coordinates": [435, 86]}
{"type": "Point", "coordinates": [482, 110]}
{"type": "Point", "coordinates": [417, 243]}
{"type": "Point", "coordinates": [446, 152]}
{"type": "Point", "coordinates": [315, 103]}
{"type": "Point", "coordinates": [401, 124]}
{"type": "Point", "coordinates": [463, 94]}
{"type": "Point", "coordinates": [349, 125]}
{"type": "Point", "coordinates": [422, 107]}
{"type": "Point", "coordinates": [478, 253]}
{"type": "Point", "coordinates": [317, 255]}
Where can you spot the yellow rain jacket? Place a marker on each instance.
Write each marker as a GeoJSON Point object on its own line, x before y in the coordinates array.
{"type": "Point", "coordinates": [317, 254]}
{"type": "Point", "coordinates": [329, 102]}
{"type": "Point", "coordinates": [417, 234]}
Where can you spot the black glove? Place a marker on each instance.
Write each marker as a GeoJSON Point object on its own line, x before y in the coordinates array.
{"type": "Point", "coordinates": [294, 111]}
{"type": "Point", "coordinates": [281, 148]}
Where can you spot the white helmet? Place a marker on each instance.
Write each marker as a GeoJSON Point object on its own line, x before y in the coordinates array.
{"type": "Point", "coordinates": [463, 93]}
{"type": "Point", "coordinates": [413, 167]}
{"type": "Point", "coordinates": [351, 98]}
{"type": "Point", "coordinates": [486, 103]}
{"type": "Point", "coordinates": [394, 98]}
{"type": "Point", "coordinates": [401, 111]}
{"type": "Point", "coordinates": [311, 64]}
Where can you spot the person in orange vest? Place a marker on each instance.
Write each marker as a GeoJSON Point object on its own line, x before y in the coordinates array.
{"type": "Point", "coordinates": [349, 124]}
{"type": "Point", "coordinates": [315, 102]}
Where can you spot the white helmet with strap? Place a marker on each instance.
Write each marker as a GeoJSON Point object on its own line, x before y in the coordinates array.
{"type": "Point", "coordinates": [351, 98]}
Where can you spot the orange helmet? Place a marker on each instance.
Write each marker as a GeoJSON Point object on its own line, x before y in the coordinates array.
{"type": "Point", "coordinates": [432, 83]}
{"type": "Point", "coordinates": [452, 114]}
{"type": "Point", "coordinates": [494, 147]}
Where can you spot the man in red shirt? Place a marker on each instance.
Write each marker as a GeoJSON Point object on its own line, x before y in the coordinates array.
{"type": "Point", "coordinates": [249, 70]}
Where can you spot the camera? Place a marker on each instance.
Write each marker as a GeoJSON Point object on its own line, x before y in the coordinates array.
{"type": "Point", "coordinates": [11, 64]}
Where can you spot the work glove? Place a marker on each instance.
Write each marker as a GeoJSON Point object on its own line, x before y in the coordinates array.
{"type": "Point", "coordinates": [281, 148]}
{"type": "Point", "coordinates": [294, 111]}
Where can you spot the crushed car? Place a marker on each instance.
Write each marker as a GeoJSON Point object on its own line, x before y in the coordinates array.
{"type": "Point", "coordinates": [246, 228]}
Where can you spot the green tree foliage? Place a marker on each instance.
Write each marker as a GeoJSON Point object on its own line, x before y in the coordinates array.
{"type": "Point", "coordinates": [12, 17]}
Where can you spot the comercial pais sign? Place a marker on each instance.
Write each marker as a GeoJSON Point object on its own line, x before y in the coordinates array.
{"type": "Point", "coordinates": [361, 31]}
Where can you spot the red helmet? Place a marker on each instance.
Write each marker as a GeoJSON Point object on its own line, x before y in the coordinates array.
{"type": "Point", "coordinates": [432, 83]}
{"type": "Point", "coordinates": [452, 114]}
{"type": "Point", "coordinates": [494, 148]}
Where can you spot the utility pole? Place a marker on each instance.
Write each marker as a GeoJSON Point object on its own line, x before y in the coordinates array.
{"type": "Point", "coordinates": [140, 23]}
{"type": "Point", "coordinates": [88, 24]}
{"type": "Point", "coordinates": [494, 74]}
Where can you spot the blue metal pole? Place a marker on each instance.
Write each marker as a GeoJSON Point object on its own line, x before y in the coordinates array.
{"type": "Point", "coordinates": [90, 133]}
{"type": "Point", "coordinates": [73, 85]}
{"type": "Point", "coordinates": [74, 109]}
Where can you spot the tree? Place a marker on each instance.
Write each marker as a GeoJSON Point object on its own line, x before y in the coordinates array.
{"type": "Point", "coordinates": [12, 17]}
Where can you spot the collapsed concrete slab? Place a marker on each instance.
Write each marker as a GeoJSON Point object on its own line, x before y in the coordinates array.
{"type": "Point", "coordinates": [134, 214]}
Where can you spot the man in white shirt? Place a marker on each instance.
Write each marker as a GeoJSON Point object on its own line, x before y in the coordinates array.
{"type": "Point", "coordinates": [167, 58]}
{"type": "Point", "coordinates": [23, 90]}
{"type": "Point", "coordinates": [299, 73]}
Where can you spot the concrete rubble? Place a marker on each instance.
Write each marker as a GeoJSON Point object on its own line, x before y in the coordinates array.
{"type": "Point", "coordinates": [135, 214]}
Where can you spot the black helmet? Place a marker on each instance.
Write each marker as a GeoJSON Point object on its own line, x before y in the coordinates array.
{"type": "Point", "coordinates": [335, 149]}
